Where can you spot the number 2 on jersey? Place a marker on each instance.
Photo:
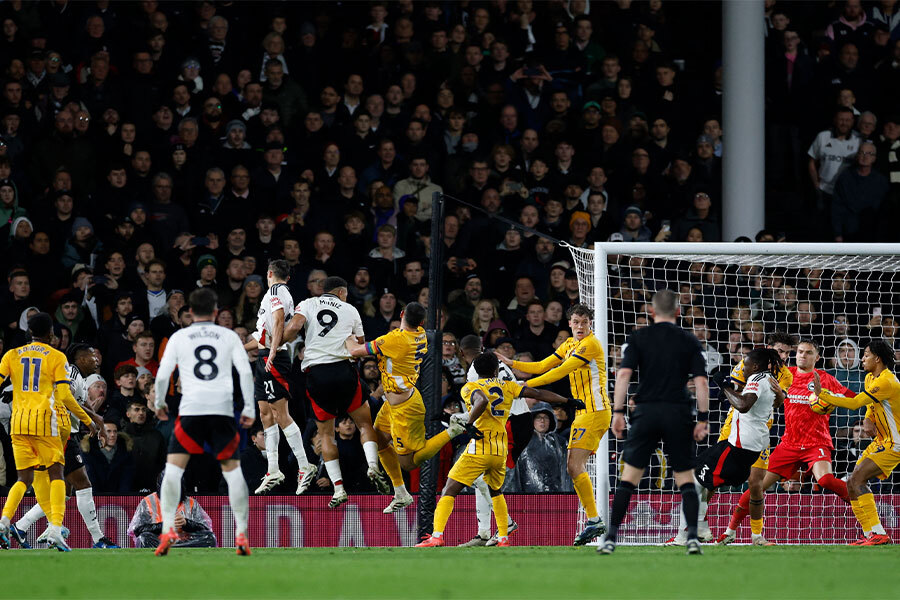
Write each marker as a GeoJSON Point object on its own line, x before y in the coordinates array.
{"type": "Point", "coordinates": [26, 370]}
{"type": "Point", "coordinates": [496, 401]}
{"type": "Point", "coordinates": [328, 325]}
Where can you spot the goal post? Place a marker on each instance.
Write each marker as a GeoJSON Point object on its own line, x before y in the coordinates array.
{"type": "Point", "coordinates": [736, 294]}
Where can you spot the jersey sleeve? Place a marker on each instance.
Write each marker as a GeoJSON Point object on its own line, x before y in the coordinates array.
{"type": "Point", "coordinates": [882, 389]}
{"type": "Point", "coordinates": [815, 149]}
{"type": "Point", "coordinates": [589, 349]}
{"type": "Point", "coordinates": [303, 309]}
{"type": "Point", "coordinates": [357, 324]}
{"type": "Point", "coordinates": [785, 378]}
{"type": "Point", "coordinates": [753, 386]}
{"type": "Point", "coordinates": [60, 372]}
{"type": "Point", "coordinates": [630, 354]}
{"type": "Point", "coordinates": [4, 366]}
{"type": "Point", "coordinates": [512, 389]}
{"type": "Point", "coordinates": [385, 345]}
{"type": "Point", "coordinates": [698, 363]}
{"type": "Point", "coordinates": [466, 393]}
{"type": "Point", "coordinates": [275, 303]}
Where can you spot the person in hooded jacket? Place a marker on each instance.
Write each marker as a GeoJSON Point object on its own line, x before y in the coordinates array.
{"type": "Point", "coordinates": [844, 365]}
{"type": "Point", "coordinates": [541, 466]}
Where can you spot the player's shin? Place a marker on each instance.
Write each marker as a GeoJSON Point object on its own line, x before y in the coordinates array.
{"type": "Point", "coordinates": [690, 504]}
{"type": "Point", "coordinates": [13, 498]}
{"type": "Point", "coordinates": [333, 467]}
{"type": "Point", "coordinates": [57, 502]}
{"type": "Point", "coordinates": [442, 515]}
{"type": "Point", "coordinates": [860, 513]}
{"type": "Point", "coordinates": [85, 501]}
{"type": "Point", "coordinates": [483, 506]}
{"type": "Point", "coordinates": [295, 441]}
{"type": "Point", "coordinates": [501, 513]}
{"type": "Point", "coordinates": [272, 437]}
{"type": "Point", "coordinates": [35, 513]}
{"type": "Point", "coordinates": [391, 464]}
{"type": "Point", "coordinates": [835, 485]}
{"type": "Point", "coordinates": [41, 487]}
{"type": "Point", "coordinates": [740, 511]}
{"type": "Point", "coordinates": [370, 449]}
{"type": "Point", "coordinates": [238, 495]}
{"type": "Point", "coordinates": [170, 495]}
{"type": "Point", "coordinates": [873, 521]}
{"type": "Point", "coordinates": [585, 491]}
{"type": "Point", "coordinates": [620, 507]}
{"type": "Point", "coordinates": [432, 446]}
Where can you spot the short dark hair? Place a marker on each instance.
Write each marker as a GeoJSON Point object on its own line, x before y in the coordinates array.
{"type": "Point", "coordinates": [76, 351]}
{"type": "Point", "coordinates": [581, 310]}
{"type": "Point", "coordinates": [334, 282]}
{"type": "Point", "coordinates": [122, 370]}
{"type": "Point", "coordinates": [811, 342]}
{"type": "Point", "coordinates": [486, 364]}
{"type": "Point", "coordinates": [203, 301]}
{"type": "Point", "coordinates": [40, 325]}
{"type": "Point", "coordinates": [280, 268]}
{"type": "Point", "coordinates": [882, 350]}
{"type": "Point", "coordinates": [780, 337]}
{"type": "Point", "coordinates": [470, 342]}
{"type": "Point", "coordinates": [414, 314]}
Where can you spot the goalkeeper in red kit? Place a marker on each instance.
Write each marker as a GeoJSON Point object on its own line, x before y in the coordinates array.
{"type": "Point", "coordinates": [806, 441]}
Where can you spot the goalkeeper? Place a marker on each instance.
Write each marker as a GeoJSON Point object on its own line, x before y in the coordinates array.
{"type": "Point", "coordinates": [581, 358]}
{"type": "Point", "coordinates": [882, 398]}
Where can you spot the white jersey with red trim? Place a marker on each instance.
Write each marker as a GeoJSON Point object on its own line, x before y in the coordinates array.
{"type": "Point", "coordinates": [750, 430]}
{"type": "Point", "coordinates": [329, 322]}
{"type": "Point", "coordinates": [278, 297]}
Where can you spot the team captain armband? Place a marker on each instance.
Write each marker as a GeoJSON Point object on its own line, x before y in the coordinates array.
{"type": "Point", "coordinates": [372, 347]}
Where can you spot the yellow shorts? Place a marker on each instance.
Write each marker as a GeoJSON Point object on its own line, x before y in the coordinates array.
{"type": "Point", "coordinates": [886, 459]}
{"type": "Point", "coordinates": [36, 451]}
{"type": "Point", "coordinates": [405, 423]}
{"type": "Point", "coordinates": [588, 428]}
{"type": "Point", "coordinates": [726, 429]}
{"type": "Point", "coordinates": [469, 466]}
{"type": "Point", "coordinates": [763, 461]}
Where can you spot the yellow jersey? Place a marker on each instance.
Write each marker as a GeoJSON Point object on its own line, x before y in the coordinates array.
{"type": "Point", "coordinates": [785, 378]}
{"type": "Point", "coordinates": [400, 355]}
{"type": "Point", "coordinates": [35, 371]}
{"type": "Point", "coordinates": [884, 393]}
{"type": "Point", "coordinates": [492, 422]}
{"type": "Point", "coordinates": [583, 361]}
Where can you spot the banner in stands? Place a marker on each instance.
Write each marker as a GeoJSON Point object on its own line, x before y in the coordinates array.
{"type": "Point", "coordinates": [544, 520]}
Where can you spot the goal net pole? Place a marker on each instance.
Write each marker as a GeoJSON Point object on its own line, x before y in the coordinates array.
{"type": "Point", "coordinates": [870, 272]}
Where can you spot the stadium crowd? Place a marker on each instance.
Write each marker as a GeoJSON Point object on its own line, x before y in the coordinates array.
{"type": "Point", "coordinates": [148, 149]}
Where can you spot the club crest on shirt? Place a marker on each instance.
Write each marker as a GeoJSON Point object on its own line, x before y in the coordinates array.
{"type": "Point", "coordinates": [811, 386]}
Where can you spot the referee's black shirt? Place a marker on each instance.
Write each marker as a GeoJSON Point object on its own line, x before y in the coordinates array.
{"type": "Point", "coordinates": [665, 355]}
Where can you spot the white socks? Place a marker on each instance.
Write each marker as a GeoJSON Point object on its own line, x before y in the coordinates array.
{"type": "Point", "coordinates": [334, 474]}
{"type": "Point", "coordinates": [272, 437]}
{"type": "Point", "coordinates": [295, 441]}
{"type": "Point", "coordinates": [238, 498]}
{"type": "Point", "coordinates": [170, 495]}
{"type": "Point", "coordinates": [483, 507]}
{"type": "Point", "coordinates": [400, 491]}
{"type": "Point", "coordinates": [30, 518]}
{"type": "Point", "coordinates": [85, 501]}
{"type": "Point", "coordinates": [371, 450]}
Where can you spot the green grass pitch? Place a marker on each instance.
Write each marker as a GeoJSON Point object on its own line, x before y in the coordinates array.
{"type": "Point", "coordinates": [491, 573]}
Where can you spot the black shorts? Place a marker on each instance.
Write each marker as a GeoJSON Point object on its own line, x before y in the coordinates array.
{"type": "Point", "coordinates": [724, 464]}
{"type": "Point", "coordinates": [272, 386]}
{"type": "Point", "coordinates": [73, 458]}
{"type": "Point", "coordinates": [334, 389]}
{"type": "Point", "coordinates": [217, 433]}
{"type": "Point", "coordinates": [652, 423]}
{"type": "Point", "coordinates": [521, 428]}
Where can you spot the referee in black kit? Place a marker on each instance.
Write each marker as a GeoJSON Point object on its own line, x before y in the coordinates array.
{"type": "Point", "coordinates": [665, 356]}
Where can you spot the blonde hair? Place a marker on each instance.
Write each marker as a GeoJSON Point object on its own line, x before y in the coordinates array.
{"type": "Point", "coordinates": [476, 322]}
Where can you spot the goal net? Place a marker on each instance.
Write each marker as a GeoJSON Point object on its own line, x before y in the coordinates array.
{"type": "Point", "coordinates": [732, 297]}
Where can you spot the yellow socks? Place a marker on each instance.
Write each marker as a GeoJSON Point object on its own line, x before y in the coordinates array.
{"type": "Point", "coordinates": [16, 493]}
{"type": "Point", "coordinates": [501, 514]}
{"type": "Point", "coordinates": [860, 513]}
{"type": "Point", "coordinates": [870, 513]}
{"type": "Point", "coordinates": [756, 526]}
{"type": "Point", "coordinates": [585, 491]}
{"type": "Point", "coordinates": [388, 458]}
{"type": "Point", "coordinates": [442, 515]}
{"type": "Point", "coordinates": [41, 487]}
{"type": "Point", "coordinates": [57, 501]}
{"type": "Point", "coordinates": [433, 445]}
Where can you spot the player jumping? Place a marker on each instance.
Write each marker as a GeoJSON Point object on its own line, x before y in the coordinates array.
{"type": "Point", "coordinates": [489, 400]}
{"type": "Point", "coordinates": [271, 387]}
{"type": "Point", "coordinates": [581, 358]}
{"type": "Point", "coordinates": [206, 355]}
{"type": "Point", "coordinates": [806, 440]}
{"type": "Point", "coordinates": [400, 424]}
{"type": "Point", "coordinates": [881, 396]}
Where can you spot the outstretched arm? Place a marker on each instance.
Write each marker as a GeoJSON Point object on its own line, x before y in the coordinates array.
{"type": "Point", "coordinates": [555, 374]}
{"type": "Point", "coordinates": [358, 349]}
{"type": "Point", "coordinates": [551, 397]}
{"type": "Point", "coordinates": [857, 401]}
{"type": "Point", "coordinates": [293, 327]}
{"type": "Point", "coordinates": [532, 368]}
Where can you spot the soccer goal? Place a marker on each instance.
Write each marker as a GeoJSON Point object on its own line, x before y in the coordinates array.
{"type": "Point", "coordinates": [732, 296]}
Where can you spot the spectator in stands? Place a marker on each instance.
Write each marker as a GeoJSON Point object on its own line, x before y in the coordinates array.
{"type": "Point", "coordinates": [858, 195]}
{"type": "Point", "coordinates": [148, 446]}
{"type": "Point", "coordinates": [109, 461]}
{"type": "Point", "coordinates": [541, 466]}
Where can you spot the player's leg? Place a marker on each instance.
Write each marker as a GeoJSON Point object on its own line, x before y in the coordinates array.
{"type": "Point", "coordinates": [332, 463]}
{"type": "Point", "coordinates": [483, 510]}
{"type": "Point", "coordinates": [41, 487]}
{"type": "Point", "coordinates": [442, 512]}
{"type": "Point", "coordinates": [631, 476]}
{"type": "Point", "coordinates": [389, 460]}
{"type": "Point", "coordinates": [84, 500]}
{"type": "Point", "coordinates": [362, 415]}
{"type": "Point", "coordinates": [584, 438]}
{"type": "Point", "coordinates": [821, 470]}
{"type": "Point", "coordinates": [57, 506]}
{"type": "Point", "coordinates": [170, 497]}
{"type": "Point", "coordinates": [863, 501]}
{"type": "Point", "coordinates": [501, 513]}
{"type": "Point", "coordinates": [273, 437]}
{"type": "Point", "coordinates": [305, 471]}
{"type": "Point", "coordinates": [238, 499]}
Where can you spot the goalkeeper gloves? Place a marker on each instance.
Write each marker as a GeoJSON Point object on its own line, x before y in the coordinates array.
{"type": "Point", "coordinates": [575, 403]}
{"type": "Point", "coordinates": [473, 432]}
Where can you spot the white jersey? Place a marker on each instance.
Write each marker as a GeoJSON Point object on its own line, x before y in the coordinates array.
{"type": "Point", "coordinates": [329, 322]}
{"type": "Point", "coordinates": [750, 430]}
{"type": "Point", "coordinates": [834, 155]}
{"type": "Point", "coordinates": [79, 391]}
{"type": "Point", "coordinates": [278, 297]}
{"type": "Point", "coordinates": [504, 373]}
{"type": "Point", "coordinates": [205, 354]}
